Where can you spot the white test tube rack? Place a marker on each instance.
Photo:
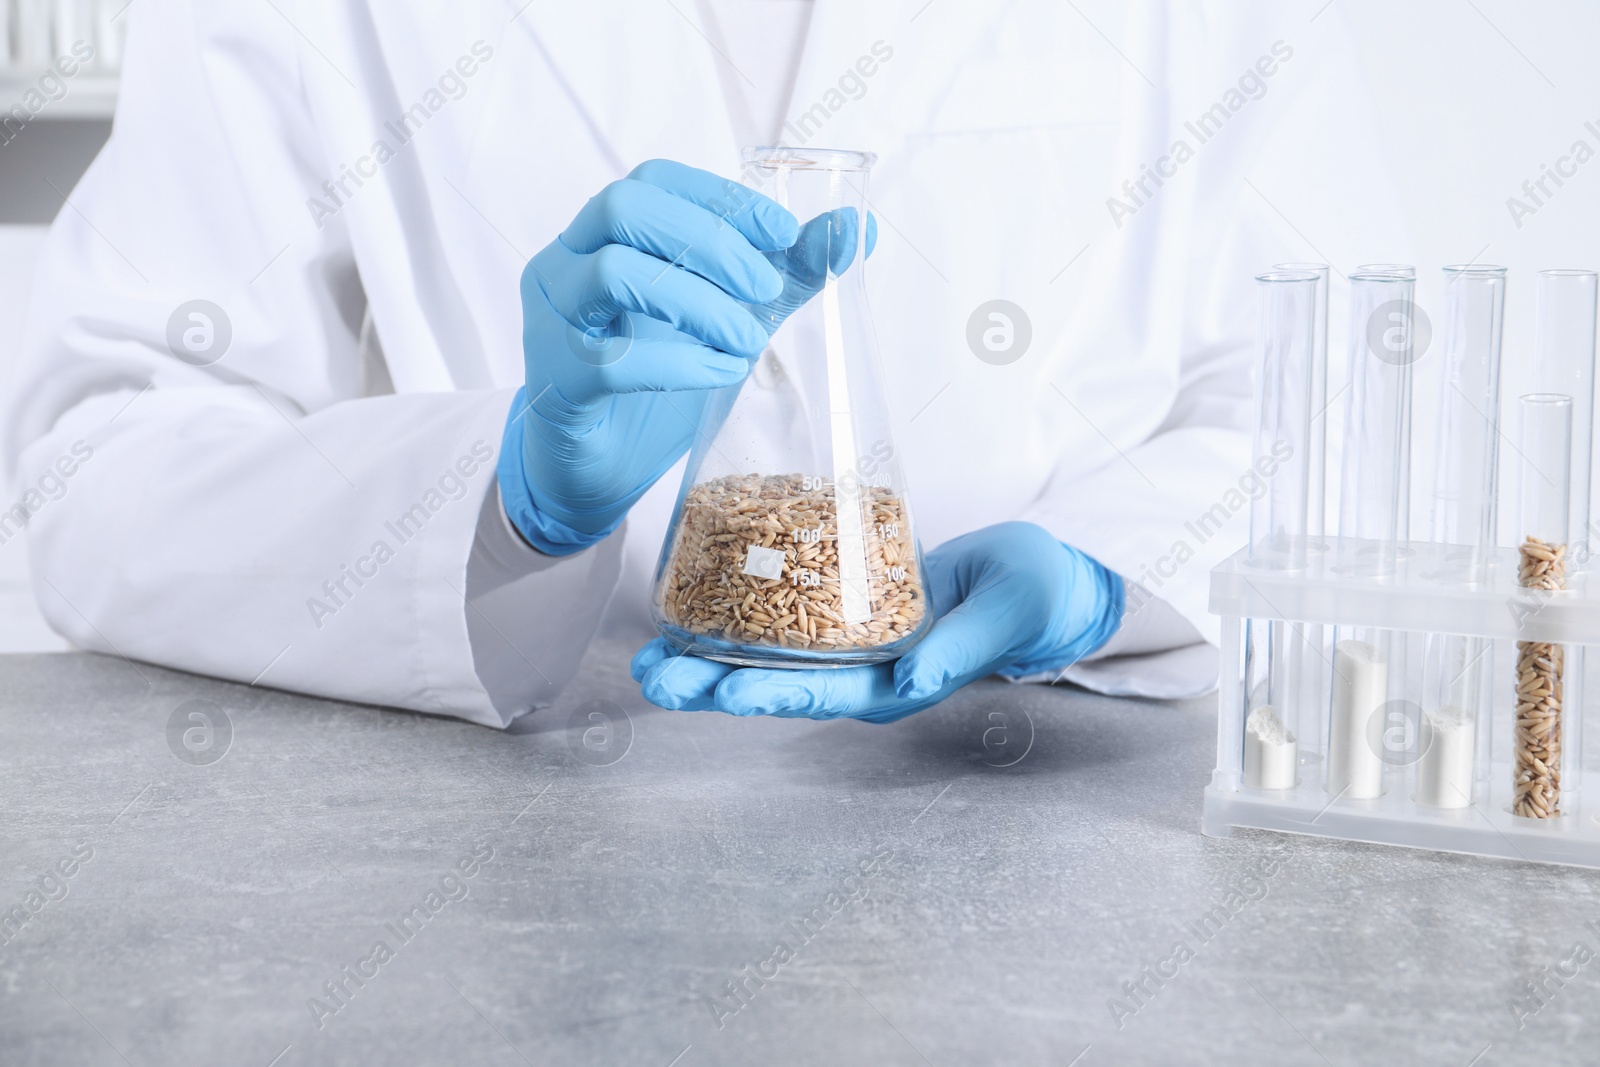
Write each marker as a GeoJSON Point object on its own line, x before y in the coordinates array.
{"type": "Point", "coordinates": [1424, 595]}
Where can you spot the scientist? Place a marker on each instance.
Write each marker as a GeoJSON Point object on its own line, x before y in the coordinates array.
{"type": "Point", "coordinates": [312, 316]}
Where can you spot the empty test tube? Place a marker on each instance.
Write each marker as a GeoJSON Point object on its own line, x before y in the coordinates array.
{"type": "Point", "coordinates": [1464, 486]}
{"type": "Point", "coordinates": [1286, 337]}
{"type": "Point", "coordinates": [1375, 479]}
{"type": "Point", "coordinates": [1399, 270]}
{"type": "Point", "coordinates": [1546, 447]}
{"type": "Point", "coordinates": [1564, 364]}
{"type": "Point", "coordinates": [1316, 458]}
{"type": "Point", "coordinates": [1394, 271]}
{"type": "Point", "coordinates": [1275, 656]}
{"type": "Point", "coordinates": [1374, 519]}
{"type": "Point", "coordinates": [1456, 672]}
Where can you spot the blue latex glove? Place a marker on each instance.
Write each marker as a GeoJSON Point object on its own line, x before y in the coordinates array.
{"type": "Point", "coordinates": [666, 286]}
{"type": "Point", "coordinates": [1013, 599]}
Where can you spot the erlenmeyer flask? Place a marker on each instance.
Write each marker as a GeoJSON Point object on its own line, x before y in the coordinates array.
{"type": "Point", "coordinates": [793, 544]}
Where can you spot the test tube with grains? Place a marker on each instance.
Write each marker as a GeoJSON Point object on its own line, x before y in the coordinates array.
{"type": "Point", "coordinates": [1542, 565]}
{"type": "Point", "coordinates": [1537, 786]}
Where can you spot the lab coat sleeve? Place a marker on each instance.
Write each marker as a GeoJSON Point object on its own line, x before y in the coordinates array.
{"type": "Point", "coordinates": [510, 587]}
{"type": "Point", "coordinates": [1301, 158]}
{"type": "Point", "coordinates": [1155, 654]}
{"type": "Point", "coordinates": [247, 511]}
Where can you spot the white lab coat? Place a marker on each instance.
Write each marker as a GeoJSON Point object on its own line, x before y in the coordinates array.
{"type": "Point", "coordinates": [223, 502]}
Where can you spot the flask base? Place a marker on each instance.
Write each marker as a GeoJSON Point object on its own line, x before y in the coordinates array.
{"type": "Point", "coordinates": [777, 658]}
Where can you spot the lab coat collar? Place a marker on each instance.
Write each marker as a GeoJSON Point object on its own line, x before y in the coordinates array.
{"type": "Point", "coordinates": [654, 95]}
{"type": "Point", "coordinates": [657, 93]}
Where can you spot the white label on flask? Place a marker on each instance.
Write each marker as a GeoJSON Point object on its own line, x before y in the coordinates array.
{"type": "Point", "coordinates": [763, 562]}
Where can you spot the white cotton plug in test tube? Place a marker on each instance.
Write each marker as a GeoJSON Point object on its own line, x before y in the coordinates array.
{"type": "Point", "coordinates": [1270, 751]}
{"type": "Point", "coordinates": [1444, 773]}
{"type": "Point", "coordinates": [1457, 677]}
{"type": "Point", "coordinates": [1360, 687]}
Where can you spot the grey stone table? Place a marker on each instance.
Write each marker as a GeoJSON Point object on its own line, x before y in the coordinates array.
{"type": "Point", "coordinates": [1014, 877]}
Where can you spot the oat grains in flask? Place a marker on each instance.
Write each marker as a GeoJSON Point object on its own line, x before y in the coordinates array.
{"type": "Point", "coordinates": [793, 542]}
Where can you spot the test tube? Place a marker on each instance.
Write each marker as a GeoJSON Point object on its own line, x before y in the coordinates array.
{"type": "Point", "coordinates": [1545, 516]}
{"type": "Point", "coordinates": [1400, 270]}
{"type": "Point", "coordinates": [1464, 486]}
{"type": "Point", "coordinates": [1456, 669]}
{"type": "Point", "coordinates": [1374, 519]}
{"type": "Point", "coordinates": [1375, 477]}
{"type": "Point", "coordinates": [1274, 649]}
{"type": "Point", "coordinates": [1312, 672]}
{"type": "Point", "coordinates": [1317, 462]}
{"type": "Point", "coordinates": [1564, 363]}
{"type": "Point", "coordinates": [1286, 337]}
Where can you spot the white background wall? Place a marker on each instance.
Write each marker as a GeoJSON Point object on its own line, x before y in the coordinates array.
{"type": "Point", "coordinates": [1474, 95]}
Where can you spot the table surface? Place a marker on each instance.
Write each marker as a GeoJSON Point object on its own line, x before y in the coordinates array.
{"type": "Point", "coordinates": [1016, 876]}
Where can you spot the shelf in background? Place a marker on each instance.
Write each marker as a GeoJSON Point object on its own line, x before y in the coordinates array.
{"type": "Point", "coordinates": [89, 95]}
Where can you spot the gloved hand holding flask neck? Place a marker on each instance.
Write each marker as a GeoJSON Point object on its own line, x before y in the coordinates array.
{"type": "Point", "coordinates": [667, 285]}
